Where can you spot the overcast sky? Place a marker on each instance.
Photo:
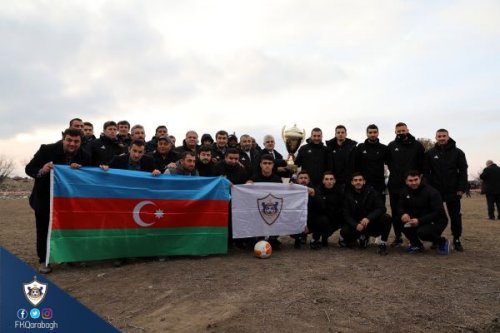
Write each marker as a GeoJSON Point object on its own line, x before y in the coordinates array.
{"type": "Point", "coordinates": [251, 67]}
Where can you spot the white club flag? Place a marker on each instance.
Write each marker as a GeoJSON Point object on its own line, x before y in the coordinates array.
{"type": "Point", "coordinates": [268, 209]}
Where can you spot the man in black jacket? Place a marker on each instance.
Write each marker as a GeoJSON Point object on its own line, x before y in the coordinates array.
{"type": "Point", "coordinates": [266, 175]}
{"type": "Point", "coordinates": [342, 149]}
{"type": "Point", "coordinates": [230, 168]}
{"type": "Point", "coordinates": [248, 155]}
{"type": "Point", "coordinates": [404, 153]}
{"type": "Point", "coordinates": [330, 201]}
{"type": "Point", "coordinates": [422, 214]}
{"type": "Point", "coordinates": [370, 158]}
{"type": "Point", "coordinates": [164, 156]}
{"type": "Point", "coordinates": [159, 132]}
{"type": "Point", "coordinates": [103, 150]}
{"type": "Point", "coordinates": [135, 159]}
{"type": "Point", "coordinates": [491, 183]}
{"type": "Point", "coordinates": [204, 163]}
{"type": "Point", "coordinates": [67, 151]}
{"type": "Point", "coordinates": [314, 157]}
{"type": "Point", "coordinates": [190, 143]}
{"type": "Point", "coordinates": [445, 168]}
{"type": "Point", "coordinates": [364, 215]}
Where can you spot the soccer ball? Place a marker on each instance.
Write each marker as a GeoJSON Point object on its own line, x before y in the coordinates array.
{"type": "Point", "coordinates": [262, 249]}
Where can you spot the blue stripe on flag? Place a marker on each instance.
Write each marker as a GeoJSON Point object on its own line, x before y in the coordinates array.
{"type": "Point", "coordinates": [91, 182]}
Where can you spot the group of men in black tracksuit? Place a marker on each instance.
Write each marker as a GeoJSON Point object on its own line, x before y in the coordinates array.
{"type": "Point", "coordinates": [444, 169]}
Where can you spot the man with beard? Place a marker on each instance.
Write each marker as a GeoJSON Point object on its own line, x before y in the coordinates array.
{"type": "Point", "coordinates": [342, 149]}
{"type": "Point", "coordinates": [230, 168]}
{"type": "Point", "coordinates": [138, 133]}
{"type": "Point", "coordinates": [445, 168]}
{"type": "Point", "coordinates": [314, 157]}
{"type": "Point", "coordinates": [421, 211]}
{"type": "Point", "coordinates": [266, 175]}
{"type": "Point", "coordinates": [330, 199]}
{"type": "Point", "coordinates": [370, 158]}
{"type": "Point", "coordinates": [67, 151]}
{"type": "Point", "coordinates": [364, 215]}
{"type": "Point", "coordinates": [404, 153]}
{"type": "Point", "coordinates": [315, 224]}
{"type": "Point", "coordinates": [248, 155]}
{"type": "Point", "coordinates": [204, 163]}
{"type": "Point", "coordinates": [103, 150]}
{"type": "Point", "coordinates": [164, 156]}
{"type": "Point", "coordinates": [185, 166]}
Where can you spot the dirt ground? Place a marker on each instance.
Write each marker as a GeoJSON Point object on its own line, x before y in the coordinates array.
{"type": "Point", "coordinates": [330, 290]}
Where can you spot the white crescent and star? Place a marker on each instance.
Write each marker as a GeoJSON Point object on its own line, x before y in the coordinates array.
{"type": "Point", "coordinates": [137, 213]}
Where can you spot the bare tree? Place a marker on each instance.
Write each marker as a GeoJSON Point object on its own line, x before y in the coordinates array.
{"type": "Point", "coordinates": [6, 167]}
{"type": "Point", "coordinates": [426, 142]}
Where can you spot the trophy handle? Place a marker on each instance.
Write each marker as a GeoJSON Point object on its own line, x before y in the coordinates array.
{"type": "Point", "coordinates": [283, 133]}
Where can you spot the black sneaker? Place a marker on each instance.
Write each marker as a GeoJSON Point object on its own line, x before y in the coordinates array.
{"type": "Point", "coordinates": [382, 249]}
{"type": "Point", "coordinates": [315, 244]}
{"type": "Point", "coordinates": [434, 246]}
{"type": "Point", "coordinates": [297, 244]}
{"type": "Point", "coordinates": [118, 262]}
{"type": "Point", "coordinates": [457, 245]}
{"type": "Point", "coordinates": [398, 242]}
{"type": "Point", "coordinates": [275, 243]}
{"type": "Point", "coordinates": [363, 241]}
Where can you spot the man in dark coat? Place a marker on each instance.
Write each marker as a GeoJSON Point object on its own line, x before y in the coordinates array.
{"type": "Point", "coordinates": [314, 157]}
{"type": "Point", "coordinates": [370, 158]}
{"type": "Point", "coordinates": [160, 131]}
{"type": "Point", "coordinates": [342, 149]}
{"type": "Point", "coordinates": [330, 206]}
{"type": "Point", "coordinates": [230, 168]}
{"type": "Point", "coordinates": [445, 168]}
{"type": "Point", "coordinates": [135, 159]}
{"type": "Point", "coordinates": [421, 212]}
{"type": "Point", "coordinates": [364, 215]}
{"type": "Point", "coordinates": [491, 186]}
{"type": "Point", "coordinates": [404, 153]}
{"type": "Point", "coordinates": [190, 143]}
{"type": "Point", "coordinates": [204, 163]}
{"type": "Point", "coordinates": [266, 175]}
{"type": "Point", "coordinates": [248, 155]}
{"type": "Point", "coordinates": [106, 147]}
{"type": "Point", "coordinates": [164, 156]}
{"type": "Point", "coordinates": [67, 151]}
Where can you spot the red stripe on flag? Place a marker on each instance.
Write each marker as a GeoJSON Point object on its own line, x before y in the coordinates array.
{"type": "Point", "coordinates": [91, 213]}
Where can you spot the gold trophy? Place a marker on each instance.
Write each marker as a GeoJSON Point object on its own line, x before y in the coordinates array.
{"type": "Point", "coordinates": [293, 138]}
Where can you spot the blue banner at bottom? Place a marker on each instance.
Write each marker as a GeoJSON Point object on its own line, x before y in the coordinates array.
{"type": "Point", "coordinates": [30, 302]}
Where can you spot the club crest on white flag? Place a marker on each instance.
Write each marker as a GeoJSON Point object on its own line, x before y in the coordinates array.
{"type": "Point", "coordinates": [268, 209]}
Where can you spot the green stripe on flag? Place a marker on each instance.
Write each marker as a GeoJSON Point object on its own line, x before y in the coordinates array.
{"type": "Point", "coordinates": [67, 245]}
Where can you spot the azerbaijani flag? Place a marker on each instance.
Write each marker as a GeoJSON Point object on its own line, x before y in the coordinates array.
{"type": "Point", "coordinates": [98, 214]}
